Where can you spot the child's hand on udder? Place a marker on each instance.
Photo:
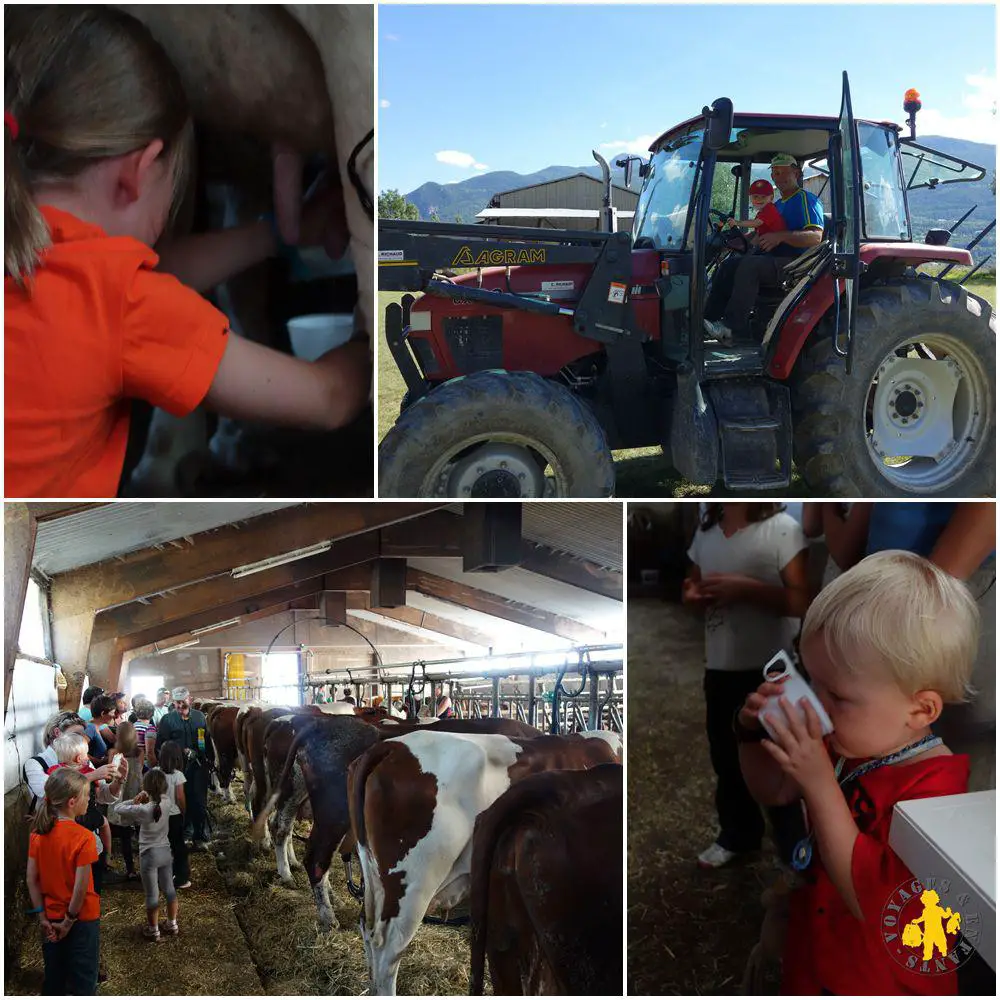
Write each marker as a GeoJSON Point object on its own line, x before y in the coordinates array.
{"type": "Point", "coordinates": [798, 746]}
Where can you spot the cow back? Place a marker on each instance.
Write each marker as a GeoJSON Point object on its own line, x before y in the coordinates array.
{"type": "Point", "coordinates": [546, 893]}
{"type": "Point", "coordinates": [510, 728]}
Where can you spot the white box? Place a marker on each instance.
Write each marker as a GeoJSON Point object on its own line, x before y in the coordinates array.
{"type": "Point", "coordinates": [954, 837]}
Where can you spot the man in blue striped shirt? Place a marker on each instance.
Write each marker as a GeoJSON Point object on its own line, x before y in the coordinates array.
{"type": "Point", "coordinates": [738, 279]}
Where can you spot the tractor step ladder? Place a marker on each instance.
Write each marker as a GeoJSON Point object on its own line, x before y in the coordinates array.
{"type": "Point", "coordinates": [755, 433]}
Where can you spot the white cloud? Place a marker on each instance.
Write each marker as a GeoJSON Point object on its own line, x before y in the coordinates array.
{"type": "Point", "coordinates": [976, 123]}
{"type": "Point", "coordinates": [639, 145]}
{"type": "Point", "coordinates": [604, 124]}
{"type": "Point", "coordinates": [391, 38]}
{"type": "Point", "coordinates": [383, 103]}
{"type": "Point", "coordinates": [456, 159]}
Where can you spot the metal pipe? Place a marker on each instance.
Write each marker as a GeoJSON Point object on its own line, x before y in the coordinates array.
{"type": "Point", "coordinates": [495, 706]}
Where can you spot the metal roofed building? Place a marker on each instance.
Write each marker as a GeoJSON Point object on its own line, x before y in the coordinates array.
{"type": "Point", "coordinates": [572, 202]}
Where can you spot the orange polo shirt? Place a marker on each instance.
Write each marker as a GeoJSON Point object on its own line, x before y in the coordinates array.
{"type": "Point", "coordinates": [58, 854]}
{"type": "Point", "coordinates": [96, 328]}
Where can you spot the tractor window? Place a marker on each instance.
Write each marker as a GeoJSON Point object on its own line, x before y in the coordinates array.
{"type": "Point", "coordinates": [662, 211]}
{"type": "Point", "coordinates": [926, 167]}
{"type": "Point", "coordinates": [724, 183]}
{"type": "Point", "coordinates": [883, 205]}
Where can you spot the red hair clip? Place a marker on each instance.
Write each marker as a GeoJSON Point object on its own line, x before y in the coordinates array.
{"type": "Point", "coordinates": [11, 122]}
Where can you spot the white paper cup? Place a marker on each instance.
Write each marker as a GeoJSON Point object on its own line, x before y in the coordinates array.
{"type": "Point", "coordinates": [313, 336]}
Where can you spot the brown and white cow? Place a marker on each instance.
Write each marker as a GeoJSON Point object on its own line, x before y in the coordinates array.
{"type": "Point", "coordinates": [311, 756]}
{"type": "Point", "coordinates": [546, 896]}
{"type": "Point", "coordinates": [315, 766]}
{"type": "Point", "coordinates": [221, 724]}
{"type": "Point", "coordinates": [414, 800]}
{"type": "Point", "coordinates": [255, 730]}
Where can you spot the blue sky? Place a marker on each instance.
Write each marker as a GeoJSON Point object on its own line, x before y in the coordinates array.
{"type": "Point", "coordinates": [463, 89]}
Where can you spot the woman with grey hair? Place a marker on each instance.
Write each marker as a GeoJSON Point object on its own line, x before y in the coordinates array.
{"type": "Point", "coordinates": [34, 769]}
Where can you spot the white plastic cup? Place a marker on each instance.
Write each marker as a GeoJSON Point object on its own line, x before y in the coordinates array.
{"type": "Point", "coordinates": [795, 689]}
{"type": "Point", "coordinates": [313, 336]}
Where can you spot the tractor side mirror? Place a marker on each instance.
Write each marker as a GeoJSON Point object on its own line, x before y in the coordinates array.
{"type": "Point", "coordinates": [937, 237]}
{"type": "Point", "coordinates": [719, 123]}
{"type": "Point", "coordinates": [628, 171]}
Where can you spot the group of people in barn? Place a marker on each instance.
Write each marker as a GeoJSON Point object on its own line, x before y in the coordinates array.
{"type": "Point", "coordinates": [371, 780]}
{"type": "Point", "coordinates": [902, 707]}
{"type": "Point", "coordinates": [139, 775]}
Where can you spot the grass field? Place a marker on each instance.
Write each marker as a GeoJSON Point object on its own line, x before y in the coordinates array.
{"type": "Point", "coordinates": [639, 472]}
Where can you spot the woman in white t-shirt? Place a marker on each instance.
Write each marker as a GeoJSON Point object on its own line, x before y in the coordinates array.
{"type": "Point", "coordinates": [750, 575]}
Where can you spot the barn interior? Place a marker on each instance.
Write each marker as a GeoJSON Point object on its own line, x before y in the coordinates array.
{"type": "Point", "coordinates": [692, 931]}
{"type": "Point", "coordinates": [494, 604]}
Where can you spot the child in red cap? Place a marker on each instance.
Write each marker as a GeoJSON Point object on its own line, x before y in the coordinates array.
{"type": "Point", "coordinates": [767, 218]}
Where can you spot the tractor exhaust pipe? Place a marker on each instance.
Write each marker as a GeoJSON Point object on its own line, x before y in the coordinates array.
{"type": "Point", "coordinates": [606, 206]}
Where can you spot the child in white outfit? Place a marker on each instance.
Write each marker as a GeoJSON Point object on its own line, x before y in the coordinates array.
{"type": "Point", "coordinates": [149, 810]}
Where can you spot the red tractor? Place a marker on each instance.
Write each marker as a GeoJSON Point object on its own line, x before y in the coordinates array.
{"type": "Point", "coordinates": [553, 347]}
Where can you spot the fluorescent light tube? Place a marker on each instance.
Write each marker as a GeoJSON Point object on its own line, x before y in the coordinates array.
{"type": "Point", "coordinates": [217, 625]}
{"type": "Point", "coordinates": [179, 645]}
{"type": "Point", "coordinates": [281, 560]}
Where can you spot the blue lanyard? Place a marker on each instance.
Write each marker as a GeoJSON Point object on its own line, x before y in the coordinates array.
{"type": "Point", "coordinates": [802, 855]}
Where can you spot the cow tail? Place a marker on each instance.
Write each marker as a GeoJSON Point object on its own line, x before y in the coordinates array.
{"type": "Point", "coordinates": [286, 776]}
{"type": "Point", "coordinates": [357, 778]}
{"type": "Point", "coordinates": [491, 824]}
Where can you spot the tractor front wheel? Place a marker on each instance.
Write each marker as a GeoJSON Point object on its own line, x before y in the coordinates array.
{"type": "Point", "coordinates": [916, 414]}
{"type": "Point", "coordinates": [496, 434]}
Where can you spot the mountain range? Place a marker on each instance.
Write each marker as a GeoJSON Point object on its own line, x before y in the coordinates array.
{"type": "Point", "coordinates": [939, 208]}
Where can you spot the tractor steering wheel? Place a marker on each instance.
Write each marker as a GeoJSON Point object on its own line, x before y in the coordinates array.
{"type": "Point", "coordinates": [730, 239]}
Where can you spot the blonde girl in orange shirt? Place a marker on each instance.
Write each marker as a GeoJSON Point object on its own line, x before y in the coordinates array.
{"type": "Point", "coordinates": [98, 138]}
{"type": "Point", "coordinates": [61, 886]}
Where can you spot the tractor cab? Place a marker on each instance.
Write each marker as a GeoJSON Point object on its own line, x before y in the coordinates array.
{"type": "Point", "coordinates": [699, 175]}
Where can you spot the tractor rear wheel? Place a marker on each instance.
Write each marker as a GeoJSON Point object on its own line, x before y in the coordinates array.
{"type": "Point", "coordinates": [916, 414]}
{"type": "Point", "coordinates": [496, 434]}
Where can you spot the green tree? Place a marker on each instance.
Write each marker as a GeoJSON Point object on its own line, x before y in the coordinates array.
{"type": "Point", "coordinates": [459, 219]}
{"type": "Point", "coordinates": [392, 205]}
{"type": "Point", "coordinates": [434, 217]}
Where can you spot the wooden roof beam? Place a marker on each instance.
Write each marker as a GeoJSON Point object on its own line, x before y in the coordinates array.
{"type": "Point", "coordinates": [501, 607]}
{"type": "Point", "coordinates": [151, 571]}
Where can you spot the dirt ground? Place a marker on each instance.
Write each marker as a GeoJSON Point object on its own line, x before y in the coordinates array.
{"type": "Point", "coordinates": [210, 956]}
{"type": "Point", "coordinates": [244, 933]}
{"type": "Point", "coordinates": [689, 931]}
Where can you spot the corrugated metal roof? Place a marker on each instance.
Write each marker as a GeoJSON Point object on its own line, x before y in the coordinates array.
{"type": "Point", "coordinates": [591, 531]}
{"type": "Point", "coordinates": [115, 529]}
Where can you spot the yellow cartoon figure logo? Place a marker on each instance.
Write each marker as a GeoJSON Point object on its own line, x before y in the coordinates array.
{"type": "Point", "coordinates": [933, 936]}
{"type": "Point", "coordinates": [924, 928]}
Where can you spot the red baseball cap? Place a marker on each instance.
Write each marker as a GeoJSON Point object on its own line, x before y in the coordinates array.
{"type": "Point", "coordinates": [761, 186]}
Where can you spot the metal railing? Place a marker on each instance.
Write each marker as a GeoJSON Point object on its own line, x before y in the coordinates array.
{"type": "Point", "coordinates": [560, 692]}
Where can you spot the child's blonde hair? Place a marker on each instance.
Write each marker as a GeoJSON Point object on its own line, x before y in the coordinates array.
{"type": "Point", "coordinates": [83, 83]}
{"type": "Point", "coordinates": [69, 746]}
{"type": "Point", "coordinates": [60, 787]}
{"type": "Point", "coordinates": [901, 612]}
{"type": "Point", "coordinates": [127, 739]}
